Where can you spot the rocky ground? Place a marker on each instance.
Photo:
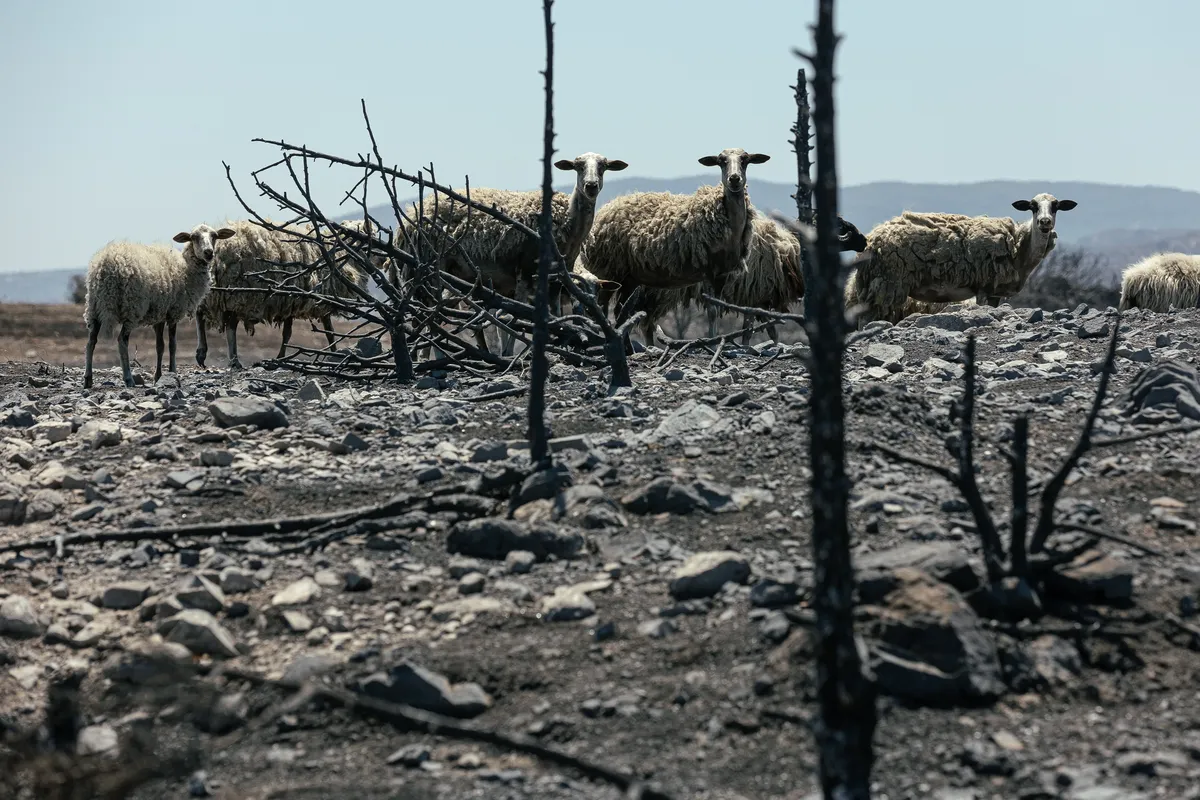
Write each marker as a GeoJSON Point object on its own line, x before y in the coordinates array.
{"type": "Point", "coordinates": [651, 618]}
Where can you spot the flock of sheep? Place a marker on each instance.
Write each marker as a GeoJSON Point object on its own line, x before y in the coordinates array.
{"type": "Point", "coordinates": [674, 247]}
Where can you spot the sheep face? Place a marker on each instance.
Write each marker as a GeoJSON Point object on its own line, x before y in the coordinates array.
{"type": "Point", "coordinates": [589, 172]}
{"type": "Point", "coordinates": [1045, 207]}
{"type": "Point", "coordinates": [850, 238]}
{"type": "Point", "coordinates": [203, 240]}
{"type": "Point", "coordinates": [733, 162]}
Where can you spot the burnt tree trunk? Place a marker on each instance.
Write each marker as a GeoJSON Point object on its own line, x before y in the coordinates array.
{"type": "Point", "coordinates": [845, 724]}
{"type": "Point", "coordinates": [802, 144]}
{"type": "Point", "coordinates": [539, 436]}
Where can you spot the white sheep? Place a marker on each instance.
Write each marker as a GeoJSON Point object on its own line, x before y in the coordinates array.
{"type": "Point", "coordinates": [499, 254]}
{"type": "Point", "coordinates": [661, 240]}
{"type": "Point", "coordinates": [946, 258]}
{"type": "Point", "coordinates": [131, 285]}
{"type": "Point", "coordinates": [1162, 282]}
{"type": "Point", "coordinates": [772, 280]}
{"type": "Point", "coordinates": [260, 258]}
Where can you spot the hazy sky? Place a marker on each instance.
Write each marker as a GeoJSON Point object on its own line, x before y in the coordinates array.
{"type": "Point", "coordinates": [117, 115]}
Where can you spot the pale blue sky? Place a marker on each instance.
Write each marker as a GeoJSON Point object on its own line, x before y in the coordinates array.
{"type": "Point", "coordinates": [117, 114]}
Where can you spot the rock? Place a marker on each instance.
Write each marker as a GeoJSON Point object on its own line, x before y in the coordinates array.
{"type": "Point", "coordinates": [962, 321]}
{"type": "Point", "coordinates": [298, 593]}
{"type": "Point", "coordinates": [231, 411]}
{"type": "Point", "coordinates": [215, 458]}
{"type": "Point", "coordinates": [1055, 661]}
{"type": "Point", "coordinates": [52, 431]}
{"type": "Point", "coordinates": [475, 604]}
{"type": "Point", "coordinates": [361, 575]}
{"type": "Point", "coordinates": [471, 583]}
{"type": "Point", "coordinates": [774, 627]}
{"type": "Point", "coordinates": [296, 621]}
{"type": "Point", "coordinates": [97, 434]}
{"type": "Point", "coordinates": [353, 443]}
{"type": "Point", "coordinates": [1093, 577]}
{"type": "Point", "coordinates": [887, 356]}
{"type": "Point", "coordinates": [127, 595]}
{"type": "Point", "coordinates": [690, 419]}
{"type": "Point", "coordinates": [930, 647]}
{"type": "Point", "coordinates": [311, 392]}
{"type": "Point", "coordinates": [410, 756]}
{"type": "Point", "coordinates": [1094, 328]}
{"type": "Point", "coordinates": [544, 484]}
{"type": "Point", "coordinates": [415, 686]}
{"type": "Point", "coordinates": [18, 618]}
{"type": "Point", "coordinates": [519, 562]}
{"type": "Point", "coordinates": [663, 495]}
{"type": "Point", "coordinates": [489, 451]}
{"type": "Point", "coordinates": [90, 635]}
{"type": "Point", "coordinates": [309, 666]}
{"type": "Point", "coordinates": [185, 479]}
{"type": "Point", "coordinates": [567, 603]}
{"type": "Point", "coordinates": [235, 580]}
{"type": "Point", "coordinates": [199, 632]}
{"type": "Point", "coordinates": [12, 505]}
{"type": "Point", "coordinates": [494, 538]}
{"type": "Point", "coordinates": [199, 592]}
{"type": "Point", "coordinates": [771, 593]}
{"type": "Point", "coordinates": [657, 628]}
{"type": "Point", "coordinates": [704, 574]}
{"type": "Point", "coordinates": [44, 504]}
{"type": "Point", "coordinates": [95, 740]}
{"type": "Point", "coordinates": [1153, 764]}
{"type": "Point", "coordinates": [945, 561]}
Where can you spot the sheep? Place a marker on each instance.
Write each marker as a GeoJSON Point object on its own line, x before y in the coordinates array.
{"type": "Point", "coordinates": [910, 306]}
{"type": "Point", "coordinates": [254, 261]}
{"type": "Point", "coordinates": [945, 258]}
{"type": "Point", "coordinates": [772, 279]}
{"type": "Point", "coordinates": [1161, 282]}
{"type": "Point", "coordinates": [133, 285]}
{"type": "Point", "coordinates": [660, 240]}
{"type": "Point", "coordinates": [503, 256]}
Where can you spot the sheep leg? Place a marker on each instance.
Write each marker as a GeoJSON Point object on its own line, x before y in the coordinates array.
{"type": "Point", "coordinates": [231, 341]}
{"type": "Point", "coordinates": [93, 336]}
{"type": "Point", "coordinates": [327, 322]}
{"type": "Point", "coordinates": [773, 332]}
{"type": "Point", "coordinates": [158, 350]}
{"type": "Point", "coordinates": [171, 347]}
{"type": "Point", "coordinates": [287, 336]}
{"type": "Point", "coordinates": [507, 340]}
{"type": "Point", "coordinates": [201, 339]}
{"type": "Point", "coordinates": [123, 351]}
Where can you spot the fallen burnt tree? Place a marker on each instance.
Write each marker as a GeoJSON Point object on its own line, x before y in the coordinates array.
{"type": "Point", "coordinates": [416, 305]}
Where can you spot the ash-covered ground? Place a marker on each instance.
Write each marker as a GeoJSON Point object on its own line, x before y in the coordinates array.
{"type": "Point", "coordinates": [652, 617]}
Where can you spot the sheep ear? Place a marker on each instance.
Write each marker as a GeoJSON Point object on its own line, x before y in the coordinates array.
{"type": "Point", "coordinates": [1022, 205]}
{"type": "Point", "coordinates": [563, 163]}
{"type": "Point", "coordinates": [223, 233]}
{"type": "Point", "coordinates": [615, 165]}
{"type": "Point", "coordinates": [183, 236]}
{"type": "Point", "coordinates": [758, 158]}
{"type": "Point", "coordinates": [710, 161]}
{"type": "Point", "coordinates": [1066, 205]}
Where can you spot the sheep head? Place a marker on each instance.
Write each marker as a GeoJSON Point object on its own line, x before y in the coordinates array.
{"type": "Point", "coordinates": [589, 172]}
{"type": "Point", "coordinates": [850, 237]}
{"type": "Point", "coordinates": [1045, 207]}
{"type": "Point", "coordinates": [202, 239]}
{"type": "Point", "coordinates": [733, 162]}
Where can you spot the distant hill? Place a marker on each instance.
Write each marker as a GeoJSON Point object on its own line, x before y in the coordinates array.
{"type": "Point", "coordinates": [49, 286]}
{"type": "Point", "coordinates": [1120, 224]}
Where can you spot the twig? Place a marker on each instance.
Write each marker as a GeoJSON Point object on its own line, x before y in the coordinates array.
{"type": "Point", "coordinates": [1112, 537]}
{"type": "Point", "coordinates": [516, 391]}
{"type": "Point", "coordinates": [1020, 493]}
{"type": "Point", "coordinates": [1137, 437]}
{"type": "Point", "coordinates": [409, 718]}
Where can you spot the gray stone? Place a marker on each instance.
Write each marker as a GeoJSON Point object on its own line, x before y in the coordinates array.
{"type": "Point", "coordinates": [12, 505]}
{"type": "Point", "coordinates": [663, 495]}
{"type": "Point", "coordinates": [185, 479]}
{"type": "Point", "coordinates": [887, 356]}
{"type": "Point", "coordinates": [410, 756]}
{"type": "Point", "coordinates": [95, 740]}
{"type": "Point", "coordinates": [230, 411]}
{"type": "Point", "coordinates": [690, 419]}
{"type": "Point", "coordinates": [199, 632]}
{"type": "Point", "coordinates": [311, 392]}
{"type": "Point", "coordinates": [1095, 328]}
{"type": "Point", "coordinates": [235, 580]}
{"type": "Point", "coordinates": [97, 434]}
{"type": "Point", "coordinates": [520, 562]}
{"type": "Point", "coordinates": [415, 686]}
{"type": "Point", "coordinates": [298, 593]}
{"type": "Point", "coordinates": [18, 618]}
{"type": "Point", "coordinates": [296, 621]}
{"type": "Point", "coordinates": [474, 604]}
{"type": "Point", "coordinates": [961, 321]}
{"type": "Point", "coordinates": [309, 666]}
{"type": "Point", "coordinates": [566, 604]}
{"type": "Point", "coordinates": [945, 561]}
{"type": "Point", "coordinates": [930, 647]}
{"type": "Point", "coordinates": [494, 538]}
{"type": "Point", "coordinates": [704, 574]}
{"type": "Point", "coordinates": [53, 431]}
{"type": "Point", "coordinates": [657, 628]}
{"type": "Point", "coordinates": [44, 504]}
{"type": "Point", "coordinates": [1093, 577]}
{"type": "Point", "coordinates": [127, 595]}
{"type": "Point", "coordinates": [471, 583]}
{"type": "Point", "coordinates": [215, 458]}
{"type": "Point", "coordinates": [199, 592]}
{"type": "Point", "coordinates": [361, 575]}
{"type": "Point", "coordinates": [489, 451]}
